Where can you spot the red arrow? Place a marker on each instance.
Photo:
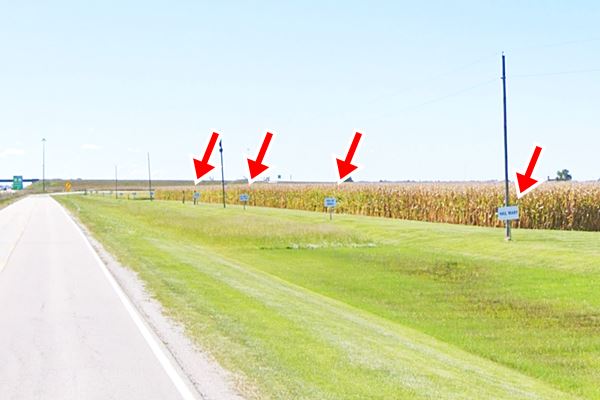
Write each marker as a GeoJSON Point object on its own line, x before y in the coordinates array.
{"type": "Point", "coordinates": [203, 167]}
{"type": "Point", "coordinates": [526, 182]}
{"type": "Point", "coordinates": [345, 167]}
{"type": "Point", "coordinates": [256, 167]}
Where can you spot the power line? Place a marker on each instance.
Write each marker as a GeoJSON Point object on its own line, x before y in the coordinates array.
{"type": "Point", "coordinates": [433, 78]}
{"type": "Point", "coordinates": [440, 98]}
{"type": "Point", "coordinates": [572, 72]}
{"type": "Point", "coordinates": [555, 44]}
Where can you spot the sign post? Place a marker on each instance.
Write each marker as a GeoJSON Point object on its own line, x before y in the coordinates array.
{"type": "Point", "coordinates": [244, 199]}
{"type": "Point", "coordinates": [330, 203]}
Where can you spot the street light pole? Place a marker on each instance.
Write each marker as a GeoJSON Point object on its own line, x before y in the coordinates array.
{"type": "Point", "coordinates": [44, 165]}
{"type": "Point", "coordinates": [149, 179]}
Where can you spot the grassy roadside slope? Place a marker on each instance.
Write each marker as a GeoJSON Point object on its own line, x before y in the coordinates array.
{"type": "Point", "coordinates": [6, 200]}
{"type": "Point", "coordinates": [367, 307]}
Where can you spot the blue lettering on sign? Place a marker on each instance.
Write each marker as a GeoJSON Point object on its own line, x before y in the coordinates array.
{"type": "Point", "coordinates": [508, 213]}
{"type": "Point", "coordinates": [330, 202]}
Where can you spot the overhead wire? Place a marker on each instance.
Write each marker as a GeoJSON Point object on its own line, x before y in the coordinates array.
{"type": "Point", "coordinates": [436, 77]}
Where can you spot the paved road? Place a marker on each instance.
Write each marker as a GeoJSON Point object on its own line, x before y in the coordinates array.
{"type": "Point", "coordinates": [66, 331]}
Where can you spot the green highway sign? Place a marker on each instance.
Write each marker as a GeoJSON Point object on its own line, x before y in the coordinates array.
{"type": "Point", "coordinates": [17, 182]}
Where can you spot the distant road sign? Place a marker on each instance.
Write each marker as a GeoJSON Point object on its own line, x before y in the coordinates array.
{"type": "Point", "coordinates": [68, 187]}
{"type": "Point", "coordinates": [152, 194]}
{"type": "Point", "coordinates": [196, 195]}
{"type": "Point", "coordinates": [330, 202]}
{"type": "Point", "coordinates": [508, 213]}
{"type": "Point", "coordinates": [17, 182]}
{"type": "Point", "coordinates": [244, 198]}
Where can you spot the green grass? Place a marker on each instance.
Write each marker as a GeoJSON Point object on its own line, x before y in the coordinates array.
{"type": "Point", "coordinates": [7, 199]}
{"type": "Point", "coordinates": [361, 307]}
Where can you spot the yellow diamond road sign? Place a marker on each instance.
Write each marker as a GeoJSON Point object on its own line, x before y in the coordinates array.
{"type": "Point", "coordinates": [68, 187]}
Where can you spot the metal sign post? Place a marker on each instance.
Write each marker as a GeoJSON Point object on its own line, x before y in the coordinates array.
{"type": "Point", "coordinates": [330, 203]}
{"type": "Point", "coordinates": [244, 199]}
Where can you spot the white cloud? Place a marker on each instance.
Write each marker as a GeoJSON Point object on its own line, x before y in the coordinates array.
{"type": "Point", "coordinates": [11, 152]}
{"type": "Point", "coordinates": [90, 146]}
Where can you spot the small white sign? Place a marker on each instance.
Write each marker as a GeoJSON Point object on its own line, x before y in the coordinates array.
{"type": "Point", "coordinates": [330, 202]}
{"type": "Point", "coordinates": [244, 198]}
{"type": "Point", "coordinates": [508, 213]}
{"type": "Point", "coordinates": [196, 195]}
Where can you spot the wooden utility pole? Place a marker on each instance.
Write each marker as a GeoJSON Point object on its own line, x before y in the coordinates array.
{"type": "Point", "coordinates": [506, 192]}
{"type": "Point", "coordinates": [222, 171]}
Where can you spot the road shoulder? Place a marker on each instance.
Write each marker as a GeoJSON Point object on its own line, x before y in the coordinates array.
{"type": "Point", "coordinates": [206, 375]}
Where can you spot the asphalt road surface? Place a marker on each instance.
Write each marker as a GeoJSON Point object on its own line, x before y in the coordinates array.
{"type": "Point", "coordinates": [67, 331]}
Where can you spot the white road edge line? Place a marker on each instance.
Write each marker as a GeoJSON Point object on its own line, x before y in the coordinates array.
{"type": "Point", "coordinates": [181, 386]}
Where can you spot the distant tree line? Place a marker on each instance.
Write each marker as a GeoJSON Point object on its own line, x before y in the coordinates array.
{"type": "Point", "coordinates": [563, 175]}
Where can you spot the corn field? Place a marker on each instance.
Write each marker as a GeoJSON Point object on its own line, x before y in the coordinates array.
{"type": "Point", "coordinates": [554, 205]}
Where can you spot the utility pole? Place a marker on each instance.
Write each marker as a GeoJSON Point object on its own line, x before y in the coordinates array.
{"type": "Point", "coordinates": [222, 171]}
{"type": "Point", "coordinates": [149, 179]}
{"type": "Point", "coordinates": [116, 184]}
{"type": "Point", "coordinates": [506, 192]}
{"type": "Point", "coordinates": [44, 165]}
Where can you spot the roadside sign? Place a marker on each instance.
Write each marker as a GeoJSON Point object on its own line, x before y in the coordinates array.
{"type": "Point", "coordinates": [151, 194]}
{"type": "Point", "coordinates": [330, 202]}
{"type": "Point", "coordinates": [68, 187]}
{"type": "Point", "coordinates": [196, 195]}
{"type": "Point", "coordinates": [244, 199]}
{"type": "Point", "coordinates": [508, 213]}
{"type": "Point", "coordinates": [17, 182]}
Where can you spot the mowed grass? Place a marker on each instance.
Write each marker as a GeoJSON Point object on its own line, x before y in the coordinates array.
{"type": "Point", "coordinates": [7, 199]}
{"type": "Point", "coordinates": [359, 307]}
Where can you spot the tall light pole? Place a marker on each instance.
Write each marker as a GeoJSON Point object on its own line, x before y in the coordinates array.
{"type": "Point", "coordinates": [149, 179]}
{"type": "Point", "coordinates": [44, 165]}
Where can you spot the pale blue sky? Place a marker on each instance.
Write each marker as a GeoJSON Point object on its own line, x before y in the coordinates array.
{"type": "Point", "coordinates": [107, 81]}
